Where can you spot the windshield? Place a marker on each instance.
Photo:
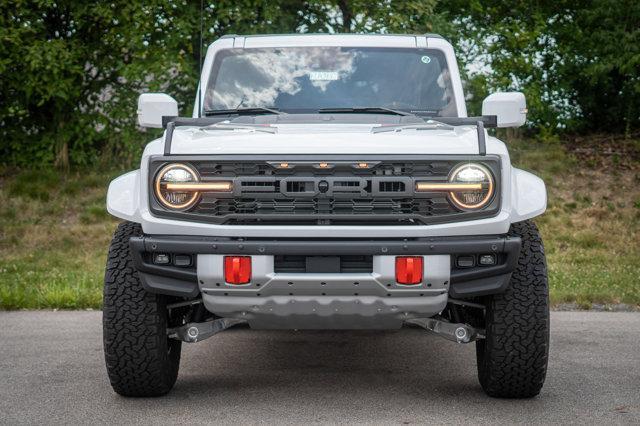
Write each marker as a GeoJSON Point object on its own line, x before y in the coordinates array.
{"type": "Point", "coordinates": [306, 79]}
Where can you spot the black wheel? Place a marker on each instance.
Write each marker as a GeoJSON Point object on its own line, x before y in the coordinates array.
{"type": "Point", "coordinates": [512, 360]}
{"type": "Point", "coordinates": [141, 360]}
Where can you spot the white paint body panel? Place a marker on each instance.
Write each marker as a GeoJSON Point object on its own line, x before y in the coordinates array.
{"type": "Point", "coordinates": [123, 196]}
{"type": "Point", "coordinates": [523, 195]}
{"type": "Point", "coordinates": [324, 139]}
{"type": "Point", "coordinates": [153, 106]}
{"type": "Point", "coordinates": [509, 107]}
{"type": "Point", "coordinates": [529, 195]}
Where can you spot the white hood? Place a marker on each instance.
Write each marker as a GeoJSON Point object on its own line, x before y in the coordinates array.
{"type": "Point", "coordinates": [328, 139]}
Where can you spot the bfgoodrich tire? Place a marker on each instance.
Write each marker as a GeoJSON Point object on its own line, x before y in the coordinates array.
{"type": "Point", "coordinates": [141, 360]}
{"type": "Point", "coordinates": [512, 360]}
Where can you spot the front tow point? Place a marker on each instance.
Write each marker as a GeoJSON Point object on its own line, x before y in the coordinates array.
{"type": "Point", "coordinates": [462, 335]}
{"type": "Point", "coordinates": [192, 333]}
{"type": "Point", "coordinates": [197, 331]}
{"type": "Point", "coordinates": [456, 332]}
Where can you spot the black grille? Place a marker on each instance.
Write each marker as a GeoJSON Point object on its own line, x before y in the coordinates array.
{"type": "Point", "coordinates": [340, 192]}
{"type": "Point", "coordinates": [376, 168]}
{"type": "Point", "coordinates": [324, 206]}
{"type": "Point", "coordinates": [347, 264]}
{"type": "Point", "coordinates": [211, 169]}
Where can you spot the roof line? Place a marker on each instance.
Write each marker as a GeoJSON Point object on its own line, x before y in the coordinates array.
{"type": "Point", "coordinates": [428, 35]}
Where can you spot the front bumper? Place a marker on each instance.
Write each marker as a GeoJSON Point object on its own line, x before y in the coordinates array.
{"type": "Point", "coordinates": [300, 300]}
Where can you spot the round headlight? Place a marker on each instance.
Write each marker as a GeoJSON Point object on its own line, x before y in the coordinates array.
{"type": "Point", "coordinates": [474, 175]}
{"type": "Point", "coordinates": [176, 174]}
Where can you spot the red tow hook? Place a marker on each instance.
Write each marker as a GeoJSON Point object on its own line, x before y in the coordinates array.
{"type": "Point", "coordinates": [409, 270]}
{"type": "Point", "coordinates": [237, 269]}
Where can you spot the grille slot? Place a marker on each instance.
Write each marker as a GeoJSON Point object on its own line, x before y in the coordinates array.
{"type": "Point", "coordinates": [299, 186]}
{"type": "Point", "coordinates": [249, 187]}
{"type": "Point", "coordinates": [298, 264]}
{"type": "Point", "coordinates": [392, 186]}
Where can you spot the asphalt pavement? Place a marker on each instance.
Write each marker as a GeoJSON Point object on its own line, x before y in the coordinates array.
{"type": "Point", "coordinates": [52, 372]}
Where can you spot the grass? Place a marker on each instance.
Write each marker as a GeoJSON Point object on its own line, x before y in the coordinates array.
{"type": "Point", "coordinates": [54, 235]}
{"type": "Point", "coordinates": [591, 228]}
{"type": "Point", "coordinates": [55, 231]}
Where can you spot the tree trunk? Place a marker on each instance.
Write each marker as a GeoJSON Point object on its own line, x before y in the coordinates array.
{"type": "Point", "coordinates": [62, 157]}
{"type": "Point", "coordinates": [62, 147]}
{"type": "Point", "coordinates": [347, 15]}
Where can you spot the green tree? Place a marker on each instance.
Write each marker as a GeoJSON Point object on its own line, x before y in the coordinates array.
{"type": "Point", "coordinates": [72, 70]}
{"type": "Point", "coordinates": [577, 61]}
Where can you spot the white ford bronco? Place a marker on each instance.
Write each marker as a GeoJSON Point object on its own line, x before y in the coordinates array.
{"type": "Point", "coordinates": [327, 182]}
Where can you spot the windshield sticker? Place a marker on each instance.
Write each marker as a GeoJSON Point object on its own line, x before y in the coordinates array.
{"type": "Point", "coordinates": [425, 59]}
{"type": "Point", "coordinates": [323, 76]}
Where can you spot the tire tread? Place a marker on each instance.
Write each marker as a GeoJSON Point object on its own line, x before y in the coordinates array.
{"type": "Point", "coordinates": [512, 360]}
{"type": "Point", "coordinates": [140, 360]}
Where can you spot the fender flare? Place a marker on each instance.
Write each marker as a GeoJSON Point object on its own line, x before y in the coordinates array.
{"type": "Point", "coordinates": [123, 197]}
{"type": "Point", "coordinates": [529, 195]}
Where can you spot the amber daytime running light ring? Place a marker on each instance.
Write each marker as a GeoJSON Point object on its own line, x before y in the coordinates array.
{"type": "Point", "coordinates": [178, 186]}
{"type": "Point", "coordinates": [470, 186]}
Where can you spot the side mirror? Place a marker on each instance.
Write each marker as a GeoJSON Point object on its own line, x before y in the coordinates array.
{"type": "Point", "coordinates": [153, 106]}
{"type": "Point", "coordinates": [509, 107]}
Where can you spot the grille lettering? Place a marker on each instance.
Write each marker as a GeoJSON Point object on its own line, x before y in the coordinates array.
{"type": "Point", "coordinates": [325, 187]}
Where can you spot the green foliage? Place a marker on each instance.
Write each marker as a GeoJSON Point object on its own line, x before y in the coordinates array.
{"type": "Point", "coordinates": [578, 62]}
{"type": "Point", "coordinates": [72, 71]}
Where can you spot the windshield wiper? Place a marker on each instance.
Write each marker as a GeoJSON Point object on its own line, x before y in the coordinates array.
{"type": "Point", "coordinates": [229, 125]}
{"type": "Point", "coordinates": [428, 125]}
{"type": "Point", "coordinates": [243, 111]}
{"type": "Point", "coordinates": [365, 110]}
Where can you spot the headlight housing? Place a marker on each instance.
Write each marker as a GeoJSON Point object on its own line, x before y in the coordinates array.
{"type": "Point", "coordinates": [476, 186]}
{"type": "Point", "coordinates": [175, 175]}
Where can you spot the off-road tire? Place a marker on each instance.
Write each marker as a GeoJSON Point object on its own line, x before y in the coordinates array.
{"type": "Point", "coordinates": [141, 360]}
{"type": "Point", "coordinates": [512, 360]}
